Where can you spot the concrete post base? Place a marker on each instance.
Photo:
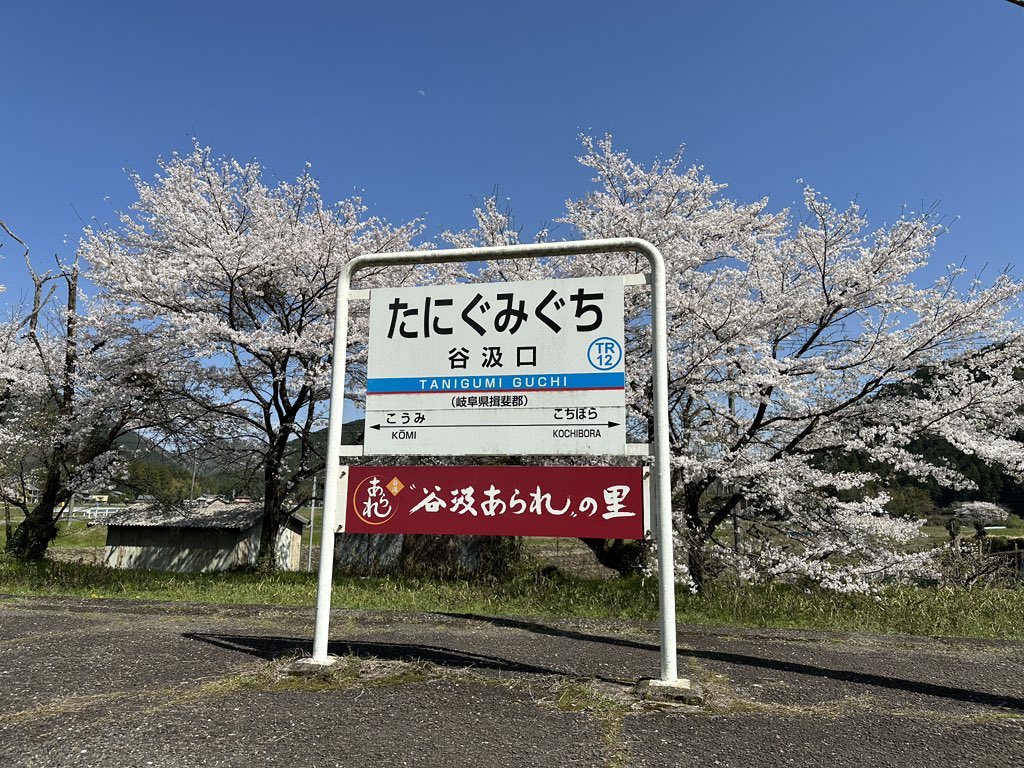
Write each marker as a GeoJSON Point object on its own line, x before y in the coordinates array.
{"type": "Point", "coordinates": [681, 691]}
{"type": "Point", "coordinates": [306, 667]}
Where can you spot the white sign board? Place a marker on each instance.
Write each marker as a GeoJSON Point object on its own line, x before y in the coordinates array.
{"type": "Point", "coordinates": [497, 369]}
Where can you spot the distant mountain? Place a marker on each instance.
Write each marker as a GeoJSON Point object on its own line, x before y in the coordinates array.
{"type": "Point", "coordinates": [146, 449]}
{"type": "Point", "coordinates": [154, 470]}
{"type": "Point", "coordinates": [351, 434]}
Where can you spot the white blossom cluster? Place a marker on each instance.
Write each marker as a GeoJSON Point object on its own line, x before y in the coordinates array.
{"type": "Point", "coordinates": [794, 340]}
{"type": "Point", "coordinates": [980, 512]}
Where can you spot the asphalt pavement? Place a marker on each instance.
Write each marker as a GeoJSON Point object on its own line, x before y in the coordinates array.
{"type": "Point", "coordinates": [106, 683]}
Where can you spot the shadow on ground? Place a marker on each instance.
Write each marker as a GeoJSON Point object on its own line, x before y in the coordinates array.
{"type": "Point", "coordinates": [848, 676]}
{"type": "Point", "coordinates": [274, 648]}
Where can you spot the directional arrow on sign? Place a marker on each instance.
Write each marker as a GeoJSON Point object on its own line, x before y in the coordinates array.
{"type": "Point", "coordinates": [477, 426]}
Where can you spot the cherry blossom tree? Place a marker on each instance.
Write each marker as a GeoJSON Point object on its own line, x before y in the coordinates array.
{"type": "Point", "coordinates": [793, 342]}
{"type": "Point", "coordinates": [238, 279]}
{"type": "Point", "coordinates": [73, 384]}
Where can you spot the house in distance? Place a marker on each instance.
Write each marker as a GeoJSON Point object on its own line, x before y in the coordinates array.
{"type": "Point", "coordinates": [213, 537]}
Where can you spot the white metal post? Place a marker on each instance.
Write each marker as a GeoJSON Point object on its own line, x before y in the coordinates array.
{"type": "Point", "coordinates": [662, 467]}
{"type": "Point", "coordinates": [325, 575]}
{"type": "Point", "coordinates": [662, 502]}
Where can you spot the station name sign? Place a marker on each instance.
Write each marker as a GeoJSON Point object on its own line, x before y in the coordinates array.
{"type": "Point", "coordinates": [514, 368]}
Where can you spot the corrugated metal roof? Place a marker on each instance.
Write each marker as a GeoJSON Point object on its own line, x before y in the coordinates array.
{"type": "Point", "coordinates": [216, 514]}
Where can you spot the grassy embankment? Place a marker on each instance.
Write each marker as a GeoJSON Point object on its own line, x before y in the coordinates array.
{"type": "Point", "coordinates": [991, 613]}
{"type": "Point", "coordinates": [985, 613]}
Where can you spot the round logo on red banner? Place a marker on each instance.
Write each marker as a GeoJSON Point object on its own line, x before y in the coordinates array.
{"type": "Point", "coordinates": [374, 501]}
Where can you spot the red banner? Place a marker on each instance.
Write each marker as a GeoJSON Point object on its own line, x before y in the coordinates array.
{"type": "Point", "coordinates": [563, 502]}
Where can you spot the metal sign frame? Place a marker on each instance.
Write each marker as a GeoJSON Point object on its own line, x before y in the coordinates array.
{"type": "Point", "coordinates": [661, 469]}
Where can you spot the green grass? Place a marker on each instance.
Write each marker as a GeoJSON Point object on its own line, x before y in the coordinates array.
{"type": "Point", "coordinates": [528, 594]}
{"type": "Point", "coordinates": [75, 534]}
{"type": "Point", "coordinates": [79, 534]}
{"type": "Point", "coordinates": [984, 613]}
{"type": "Point", "coordinates": [934, 611]}
{"type": "Point", "coordinates": [937, 534]}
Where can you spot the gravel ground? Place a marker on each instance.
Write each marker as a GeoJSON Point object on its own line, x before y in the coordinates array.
{"type": "Point", "coordinates": [108, 683]}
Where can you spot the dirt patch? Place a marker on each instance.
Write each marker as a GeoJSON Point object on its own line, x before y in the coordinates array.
{"type": "Point", "coordinates": [85, 555]}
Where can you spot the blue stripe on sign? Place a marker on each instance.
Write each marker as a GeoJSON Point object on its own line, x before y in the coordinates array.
{"type": "Point", "coordinates": [504, 383]}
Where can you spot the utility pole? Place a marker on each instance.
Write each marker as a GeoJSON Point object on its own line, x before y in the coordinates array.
{"type": "Point", "coordinates": [312, 520]}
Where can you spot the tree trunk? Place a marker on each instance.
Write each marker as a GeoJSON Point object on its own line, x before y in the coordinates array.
{"type": "Point", "coordinates": [32, 538]}
{"type": "Point", "coordinates": [266, 559]}
{"type": "Point", "coordinates": [696, 535]}
{"type": "Point", "coordinates": [33, 535]}
{"type": "Point", "coordinates": [696, 560]}
{"type": "Point", "coordinates": [274, 516]}
{"type": "Point", "coordinates": [278, 482]}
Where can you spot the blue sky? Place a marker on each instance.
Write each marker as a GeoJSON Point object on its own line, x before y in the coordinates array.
{"type": "Point", "coordinates": [423, 107]}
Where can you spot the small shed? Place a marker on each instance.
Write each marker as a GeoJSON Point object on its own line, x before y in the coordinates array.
{"type": "Point", "coordinates": [213, 537]}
